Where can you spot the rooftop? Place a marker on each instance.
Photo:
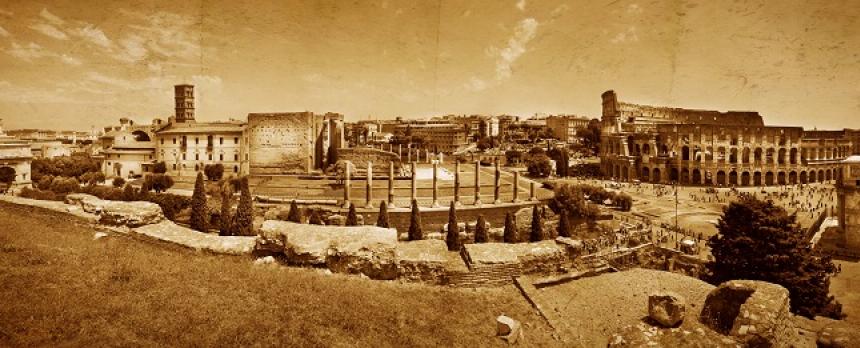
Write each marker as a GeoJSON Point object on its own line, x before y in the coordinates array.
{"type": "Point", "coordinates": [201, 127]}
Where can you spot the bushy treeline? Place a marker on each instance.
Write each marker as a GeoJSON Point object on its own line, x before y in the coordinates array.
{"type": "Point", "coordinates": [597, 194]}
{"type": "Point", "coordinates": [74, 166]}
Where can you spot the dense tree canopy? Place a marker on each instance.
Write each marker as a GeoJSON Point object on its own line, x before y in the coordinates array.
{"type": "Point", "coordinates": [758, 240]}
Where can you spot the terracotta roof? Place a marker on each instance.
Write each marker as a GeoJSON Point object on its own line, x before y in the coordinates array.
{"type": "Point", "coordinates": [201, 127]}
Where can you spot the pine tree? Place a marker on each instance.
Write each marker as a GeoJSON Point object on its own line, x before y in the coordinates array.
{"type": "Point", "coordinates": [452, 238]}
{"type": "Point", "coordinates": [382, 219]}
{"type": "Point", "coordinates": [225, 221]}
{"type": "Point", "coordinates": [351, 216]}
{"type": "Point", "coordinates": [415, 232]}
{"type": "Point", "coordinates": [244, 224]}
{"type": "Point", "coordinates": [758, 240]}
{"type": "Point", "coordinates": [295, 213]}
{"type": "Point", "coordinates": [537, 234]}
{"type": "Point", "coordinates": [481, 235]}
{"type": "Point", "coordinates": [510, 235]}
{"type": "Point", "coordinates": [198, 205]}
{"type": "Point", "coordinates": [563, 225]}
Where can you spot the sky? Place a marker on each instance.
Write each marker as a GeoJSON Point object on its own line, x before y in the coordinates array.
{"type": "Point", "coordinates": [79, 64]}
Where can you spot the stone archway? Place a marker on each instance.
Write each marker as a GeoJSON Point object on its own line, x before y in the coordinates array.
{"type": "Point", "coordinates": [7, 175]}
{"type": "Point", "coordinates": [821, 175]}
{"type": "Point", "coordinates": [673, 175]}
{"type": "Point", "coordinates": [697, 176]}
{"type": "Point", "coordinates": [685, 176]}
{"type": "Point", "coordinates": [733, 178]}
{"type": "Point", "coordinates": [780, 178]}
{"type": "Point", "coordinates": [792, 177]}
{"type": "Point", "coordinates": [745, 158]}
{"type": "Point", "coordinates": [655, 176]}
{"type": "Point", "coordinates": [721, 177]}
{"type": "Point", "coordinates": [803, 178]}
{"type": "Point", "coordinates": [768, 178]}
{"type": "Point", "coordinates": [827, 175]}
{"type": "Point", "coordinates": [757, 179]}
{"type": "Point", "coordinates": [813, 176]}
{"type": "Point", "coordinates": [745, 179]}
{"type": "Point", "coordinates": [646, 174]}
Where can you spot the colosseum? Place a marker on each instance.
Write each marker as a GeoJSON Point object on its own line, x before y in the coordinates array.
{"type": "Point", "coordinates": [703, 147]}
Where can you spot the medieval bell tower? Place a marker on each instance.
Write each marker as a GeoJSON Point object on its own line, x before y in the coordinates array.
{"type": "Point", "coordinates": [184, 97]}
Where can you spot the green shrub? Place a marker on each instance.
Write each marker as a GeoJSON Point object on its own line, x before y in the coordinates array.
{"type": "Point", "coordinates": [198, 206]}
{"type": "Point", "coordinates": [481, 233]}
{"type": "Point", "coordinates": [27, 192]}
{"type": "Point", "coordinates": [452, 237]}
{"type": "Point", "coordinates": [118, 182]}
{"type": "Point", "coordinates": [295, 213]}
{"type": "Point", "coordinates": [351, 216]}
{"type": "Point", "coordinates": [382, 219]}
{"type": "Point", "coordinates": [214, 172]}
{"type": "Point", "coordinates": [415, 231]}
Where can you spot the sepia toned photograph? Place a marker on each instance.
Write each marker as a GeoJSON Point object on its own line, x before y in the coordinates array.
{"type": "Point", "coordinates": [430, 173]}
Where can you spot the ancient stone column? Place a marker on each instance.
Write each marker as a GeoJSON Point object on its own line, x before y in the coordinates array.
{"type": "Point", "coordinates": [516, 185]}
{"type": "Point", "coordinates": [457, 183]}
{"type": "Point", "coordinates": [532, 196]}
{"type": "Point", "coordinates": [435, 185]}
{"type": "Point", "coordinates": [369, 195]}
{"type": "Point", "coordinates": [441, 157]}
{"type": "Point", "coordinates": [478, 183]}
{"type": "Point", "coordinates": [391, 184]}
{"type": "Point", "coordinates": [497, 180]}
{"type": "Point", "coordinates": [427, 155]}
{"type": "Point", "coordinates": [409, 153]}
{"type": "Point", "coordinates": [414, 187]}
{"type": "Point", "coordinates": [400, 152]}
{"type": "Point", "coordinates": [346, 184]}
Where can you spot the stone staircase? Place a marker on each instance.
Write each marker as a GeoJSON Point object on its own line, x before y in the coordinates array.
{"type": "Point", "coordinates": [485, 276]}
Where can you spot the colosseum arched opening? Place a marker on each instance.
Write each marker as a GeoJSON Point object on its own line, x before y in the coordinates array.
{"type": "Point", "coordinates": [721, 178]}
{"type": "Point", "coordinates": [803, 178]}
{"type": "Point", "coordinates": [733, 178]}
{"type": "Point", "coordinates": [646, 174]}
{"type": "Point", "coordinates": [757, 179]}
{"type": "Point", "coordinates": [697, 177]}
{"type": "Point", "coordinates": [745, 179]}
{"type": "Point", "coordinates": [685, 176]}
{"type": "Point", "coordinates": [812, 176]}
{"type": "Point", "coordinates": [768, 178]}
{"type": "Point", "coordinates": [792, 177]}
{"type": "Point", "coordinates": [780, 178]}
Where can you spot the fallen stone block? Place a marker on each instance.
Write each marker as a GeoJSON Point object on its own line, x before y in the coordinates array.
{"type": "Point", "coordinates": [132, 214]}
{"type": "Point", "coordinates": [667, 308]}
{"type": "Point", "coordinates": [422, 260]}
{"type": "Point", "coordinates": [508, 329]}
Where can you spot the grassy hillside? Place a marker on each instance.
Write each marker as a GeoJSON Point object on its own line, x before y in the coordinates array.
{"type": "Point", "coordinates": [61, 287]}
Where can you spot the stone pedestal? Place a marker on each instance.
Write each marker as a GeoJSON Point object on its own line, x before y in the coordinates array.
{"type": "Point", "coordinates": [391, 184]}
{"type": "Point", "coordinates": [435, 185]}
{"type": "Point", "coordinates": [457, 184]}
{"type": "Point", "coordinates": [369, 195]}
{"type": "Point", "coordinates": [498, 182]}
{"type": "Point", "coordinates": [478, 183]}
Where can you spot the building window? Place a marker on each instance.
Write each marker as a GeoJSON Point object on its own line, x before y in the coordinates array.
{"type": "Point", "coordinates": [236, 170]}
{"type": "Point", "coordinates": [221, 141]}
{"type": "Point", "coordinates": [196, 156]}
{"type": "Point", "coordinates": [162, 141]}
{"type": "Point", "coordinates": [174, 166]}
{"type": "Point", "coordinates": [236, 157]}
{"type": "Point", "coordinates": [174, 140]}
{"type": "Point", "coordinates": [196, 140]}
{"type": "Point", "coordinates": [210, 156]}
{"type": "Point", "coordinates": [221, 157]}
{"type": "Point", "coordinates": [183, 156]}
{"type": "Point", "coordinates": [236, 140]}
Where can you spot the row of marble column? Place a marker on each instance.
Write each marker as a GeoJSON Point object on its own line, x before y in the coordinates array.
{"type": "Point", "coordinates": [347, 199]}
{"type": "Point", "coordinates": [427, 155]}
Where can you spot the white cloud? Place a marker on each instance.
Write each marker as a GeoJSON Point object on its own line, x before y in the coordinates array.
{"type": "Point", "coordinates": [107, 80]}
{"type": "Point", "coordinates": [132, 49]}
{"type": "Point", "coordinates": [521, 4]}
{"type": "Point", "coordinates": [70, 60]}
{"type": "Point", "coordinates": [50, 30]}
{"type": "Point", "coordinates": [523, 33]}
{"type": "Point", "coordinates": [50, 17]}
{"type": "Point", "coordinates": [93, 34]}
{"type": "Point", "coordinates": [628, 35]}
{"type": "Point", "coordinates": [4, 33]}
{"type": "Point", "coordinates": [28, 52]}
{"type": "Point", "coordinates": [160, 35]}
{"type": "Point", "coordinates": [475, 84]}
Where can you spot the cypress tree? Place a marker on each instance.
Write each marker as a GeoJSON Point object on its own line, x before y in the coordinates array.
{"type": "Point", "coordinates": [128, 193]}
{"type": "Point", "coordinates": [564, 225]}
{"type": "Point", "coordinates": [481, 234]}
{"type": "Point", "coordinates": [510, 235]}
{"type": "Point", "coordinates": [452, 238]}
{"type": "Point", "coordinates": [244, 225]}
{"type": "Point", "coordinates": [415, 232]}
{"type": "Point", "coordinates": [315, 218]}
{"type": "Point", "coordinates": [537, 234]}
{"type": "Point", "coordinates": [198, 205]}
{"type": "Point", "coordinates": [295, 213]}
{"type": "Point", "coordinates": [382, 219]}
{"type": "Point", "coordinates": [225, 221]}
{"type": "Point", "coordinates": [351, 216]}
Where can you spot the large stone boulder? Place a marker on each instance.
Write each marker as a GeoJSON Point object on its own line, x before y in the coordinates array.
{"type": "Point", "coordinates": [422, 260]}
{"type": "Point", "coordinates": [367, 250]}
{"type": "Point", "coordinates": [666, 308]}
{"type": "Point", "coordinates": [131, 214]}
{"type": "Point", "coordinates": [839, 334]}
{"type": "Point", "coordinates": [538, 257]}
{"type": "Point", "coordinates": [756, 313]}
{"type": "Point", "coordinates": [79, 198]}
{"type": "Point", "coordinates": [170, 232]}
{"type": "Point", "coordinates": [273, 236]}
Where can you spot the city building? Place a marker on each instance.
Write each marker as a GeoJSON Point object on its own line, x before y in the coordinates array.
{"type": "Point", "coordinates": [438, 135]}
{"type": "Point", "coordinates": [848, 196]}
{"type": "Point", "coordinates": [703, 147]}
{"type": "Point", "coordinates": [565, 127]}
{"type": "Point", "coordinates": [15, 159]}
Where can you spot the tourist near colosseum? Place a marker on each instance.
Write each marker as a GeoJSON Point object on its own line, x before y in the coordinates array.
{"type": "Point", "coordinates": [701, 147]}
